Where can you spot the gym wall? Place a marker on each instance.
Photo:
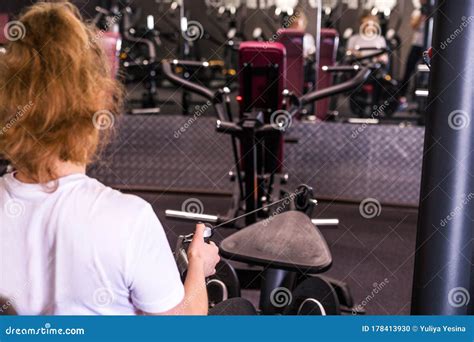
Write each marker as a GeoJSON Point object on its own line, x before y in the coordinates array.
{"type": "Point", "coordinates": [342, 162]}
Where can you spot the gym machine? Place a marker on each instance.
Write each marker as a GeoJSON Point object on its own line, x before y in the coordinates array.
{"type": "Point", "coordinates": [257, 141]}
{"type": "Point", "coordinates": [378, 95]}
{"type": "Point", "coordinates": [329, 44]}
{"type": "Point", "coordinates": [260, 99]}
{"type": "Point", "coordinates": [4, 19]}
{"type": "Point", "coordinates": [136, 54]}
{"type": "Point", "coordinates": [292, 39]}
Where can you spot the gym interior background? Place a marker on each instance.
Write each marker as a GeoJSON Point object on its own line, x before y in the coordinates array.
{"type": "Point", "coordinates": [360, 149]}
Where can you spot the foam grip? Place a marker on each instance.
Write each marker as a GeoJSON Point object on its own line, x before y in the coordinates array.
{"type": "Point", "coordinates": [233, 307]}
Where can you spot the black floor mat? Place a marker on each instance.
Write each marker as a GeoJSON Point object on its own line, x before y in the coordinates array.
{"type": "Point", "coordinates": [374, 256]}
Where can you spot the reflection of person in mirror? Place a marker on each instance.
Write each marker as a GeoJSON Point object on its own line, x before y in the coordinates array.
{"type": "Point", "coordinates": [369, 36]}
{"type": "Point", "coordinates": [301, 23]}
{"type": "Point", "coordinates": [418, 19]}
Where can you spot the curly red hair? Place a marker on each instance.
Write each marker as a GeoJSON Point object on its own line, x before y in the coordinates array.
{"type": "Point", "coordinates": [55, 86]}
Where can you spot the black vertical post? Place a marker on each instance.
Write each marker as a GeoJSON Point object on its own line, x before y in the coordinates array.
{"type": "Point", "coordinates": [442, 277]}
{"type": "Point", "coordinates": [248, 140]}
{"type": "Point", "coordinates": [317, 38]}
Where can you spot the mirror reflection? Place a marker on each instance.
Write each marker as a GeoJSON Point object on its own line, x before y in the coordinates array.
{"type": "Point", "coordinates": [325, 38]}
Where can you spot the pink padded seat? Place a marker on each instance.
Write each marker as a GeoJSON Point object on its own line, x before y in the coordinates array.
{"type": "Point", "coordinates": [262, 79]}
{"type": "Point", "coordinates": [293, 41]}
{"type": "Point", "coordinates": [328, 52]}
{"type": "Point", "coordinates": [4, 19]}
{"type": "Point", "coordinates": [111, 43]}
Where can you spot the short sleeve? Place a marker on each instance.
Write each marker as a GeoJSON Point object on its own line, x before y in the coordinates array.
{"type": "Point", "coordinates": [351, 43]}
{"type": "Point", "coordinates": [152, 275]}
{"type": "Point", "coordinates": [382, 42]}
{"type": "Point", "coordinates": [309, 45]}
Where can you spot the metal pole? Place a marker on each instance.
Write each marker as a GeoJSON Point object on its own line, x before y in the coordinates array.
{"type": "Point", "coordinates": [318, 39]}
{"type": "Point", "coordinates": [430, 24]}
{"type": "Point", "coordinates": [442, 276]}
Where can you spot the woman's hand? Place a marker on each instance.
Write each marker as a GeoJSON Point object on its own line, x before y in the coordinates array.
{"type": "Point", "coordinates": [200, 252]}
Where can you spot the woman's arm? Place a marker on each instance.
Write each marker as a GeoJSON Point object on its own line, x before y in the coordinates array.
{"type": "Point", "coordinates": [195, 300]}
{"type": "Point", "coordinates": [203, 258]}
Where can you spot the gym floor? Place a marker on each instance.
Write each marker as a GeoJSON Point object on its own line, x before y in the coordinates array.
{"type": "Point", "coordinates": [366, 252]}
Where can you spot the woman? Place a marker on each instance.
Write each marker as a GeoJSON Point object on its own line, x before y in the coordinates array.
{"type": "Point", "coordinates": [69, 244]}
{"type": "Point", "coordinates": [417, 23]}
{"type": "Point", "coordinates": [369, 36]}
{"type": "Point", "coordinates": [299, 21]}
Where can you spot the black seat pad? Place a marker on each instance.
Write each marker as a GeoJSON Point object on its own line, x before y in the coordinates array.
{"type": "Point", "coordinates": [286, 241]}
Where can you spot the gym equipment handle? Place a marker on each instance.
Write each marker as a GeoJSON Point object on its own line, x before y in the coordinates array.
{"type": "Point", "coordinates": [377, 53]}
{"type": "Point", "coordinates": [372, 48]}
{"type": "Point", "coordinates": [184, 215]}
{"type": "Point", "coordinates": [228, 127]}
{"type": "Point", "coordinates": [168, 71]}
{"type": "Point", "coordinates": [341, 68]}
{"type": "Point", "coordinates": [325, 222]}
{"type": "Point", "coordinates": [360, 78]}
{"type": "Point", "coordinates": [193, 64]}
{"type": "Point", "coordinates": [193, 87]}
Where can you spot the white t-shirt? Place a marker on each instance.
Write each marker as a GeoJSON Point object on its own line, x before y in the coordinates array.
{"type": "Point", "coordinates": [84, 249]}
{"type": "Point", "coordinates": [359, 41]}
{"type": "Point", "coordinates": [309, 45]}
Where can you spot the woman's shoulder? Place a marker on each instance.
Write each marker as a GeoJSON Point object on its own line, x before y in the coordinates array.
{"type": "Point", "coordinates": [106, 199]}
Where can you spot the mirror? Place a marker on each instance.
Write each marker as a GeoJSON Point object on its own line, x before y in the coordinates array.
{"type": "Point", "coordinates": [350, 29]}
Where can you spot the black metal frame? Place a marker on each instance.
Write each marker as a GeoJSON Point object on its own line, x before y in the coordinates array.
{"type": "Point", "coordinates": [444, 250]}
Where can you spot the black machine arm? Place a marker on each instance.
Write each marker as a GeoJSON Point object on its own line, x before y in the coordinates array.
{"type": "Point", "coordinates": [376, 53]}
{"type": "Point", "coordinates": [214, 97]}
{"type": "Point", "coordinates": [179, 81]}
{"type": "Point", "coordinates": [362, 75]}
